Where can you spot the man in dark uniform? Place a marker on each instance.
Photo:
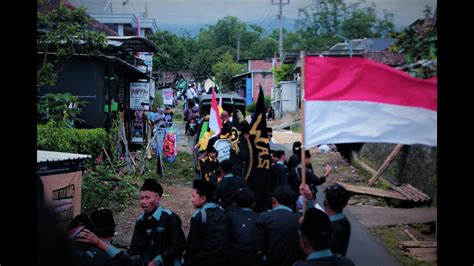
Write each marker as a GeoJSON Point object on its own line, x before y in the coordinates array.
{"type": "Point", "coordinates": [314, 241]}
{"type": "Point", "coordinates": [335, 200]}
{"type": "Point", "coordinates": [84, 251]}
{"type": "Point", "coordinates": [311, 179]}
{"type": "Point", "coordinates": [242, 220]}
{"type": "Point", "coordinates": [158, 236]}
{"type": "Point", "coordinates": [278, 171]}
{"type": "Point", "coordinates": [99, 237]}
{"type": "Point", "coordinates": [209, 165]}
{"type": "Point", "coordinates": [209, 233]}
{"type": "Point", "coordinates": [277, 230]}
{"type": "Point", "coordinates": [228, 186]}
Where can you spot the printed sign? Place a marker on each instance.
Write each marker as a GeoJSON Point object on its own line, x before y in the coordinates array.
{"type": "Point", "coordinates": [137, 132]}
{"type": "Point", "coordinates": [62, 192]}
{"type": "Point", "coordinates": [223, 148]}
{"type": "Point", "coordinates": [167, 96]}
{"type": "Point", "coordinates": [139, 96]}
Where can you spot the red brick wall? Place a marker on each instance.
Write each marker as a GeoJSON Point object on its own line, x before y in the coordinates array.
{"type": "Point", "coordinates": [260, 65]}
{"type": "Point", "coordinates": [266, 80]}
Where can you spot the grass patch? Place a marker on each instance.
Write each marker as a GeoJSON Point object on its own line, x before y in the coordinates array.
{"type": "Point", "coordinates": [296, 128]}
{"type": "Point", "coordinates": [391, 236]}
{"type": "Point", "coordinates": [178, 113]}
{"type": "Point", "coordinates": [182, 168]}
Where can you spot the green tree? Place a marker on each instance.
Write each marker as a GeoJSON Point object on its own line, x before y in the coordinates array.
{"type": "Point", "coordinates": [225, 69]}
{"type": "Point", "coordinates": [173, 55]}
{"type": "Point", "coordinates": [419, 42]}
{"type": "Point", "coordinates": [62, 33]}
{"type": "Point", "coordinates": [62, 108]}
{"type": "Point", "coordinates": [323, 19]}
{"type": "Point", "coordinates": [283, 73]}
{"type": "Point", "coordinates": [202, 63]}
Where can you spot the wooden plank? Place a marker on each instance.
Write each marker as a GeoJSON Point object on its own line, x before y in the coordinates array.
{"type": "Point", "coordinates": [427, 257]}
{"type": "Point", "coordinates": [303, 154]}
{"type": "Point", "coordinates": [411, 236]}
{"type": "Point", "coordinates": [421, 244]}
{"type": "Point", "coordinates": [385, 164]}
{"type": "Point", "coordinates": [413, 193]}
{"type": "Point", "coordinates": [373, 191]}
{"type": "Point", "coordinates": [303, 148]}
{"type": "Point", "coordinates": [422, 250]}
{"type": "Point", "coordinates": [110, 161]}
{"type": "Point", "coordinates": [401, 192]}
{"type": "Point", "coordinates": [418, 192]}
{"type": "Point", "coordinates": [408, 194]}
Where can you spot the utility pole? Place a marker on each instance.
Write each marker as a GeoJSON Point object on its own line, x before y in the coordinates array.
{"type": "Point", "coordinates": [280, 17]}
{"type": "Point", "coordinates": [238, 46]}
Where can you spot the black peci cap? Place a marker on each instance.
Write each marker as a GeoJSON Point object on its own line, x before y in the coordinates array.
{"type": "Point", "coordinates": [152, 185]}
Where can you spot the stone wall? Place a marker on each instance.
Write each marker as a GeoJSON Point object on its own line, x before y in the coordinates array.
{"type": "Point", "coordinates": [415, 164]}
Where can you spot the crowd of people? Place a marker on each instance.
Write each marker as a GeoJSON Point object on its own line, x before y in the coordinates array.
{"type": "Point", "coordinates": [226, 228]}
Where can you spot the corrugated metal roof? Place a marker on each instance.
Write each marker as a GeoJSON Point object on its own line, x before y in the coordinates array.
{"type": "Point", "coordinates": [53, 156]}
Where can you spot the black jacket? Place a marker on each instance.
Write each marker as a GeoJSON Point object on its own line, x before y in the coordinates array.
{"type": "Point", "coordinates": [226, 189]}
{"type": "Point", "coordinates": [158, 234]}
{"type": "Point", "coordinates": [208, 237]}
{"type": "Point", "coordinates": [293, 161]}
{"type": "Point", "coordinates": [334, 260]}
{"type": "Point", "coordinates": [311, 179]}
{"type": "Point", "coordinates": [93, 256]}
{"type": "Point", "coordinates": [242, 229]}
{"type": "Point", "coordinates": [208, 168]}
{"type": "Point", "coordinates": [340, 234]}
{"type": "Point", "coordinates": [277, 235]}
{"type": "Point", "coordinates": [278, 176]}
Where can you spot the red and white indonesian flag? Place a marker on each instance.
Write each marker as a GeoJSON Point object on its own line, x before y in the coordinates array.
{"type": "Point", "coordinates": [215, 122]}
{"type": "Point", "coordinates": [359, 100]}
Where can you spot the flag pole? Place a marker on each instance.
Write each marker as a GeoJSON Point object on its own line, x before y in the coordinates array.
{"type": "Point", "coordinates": [303, 154]}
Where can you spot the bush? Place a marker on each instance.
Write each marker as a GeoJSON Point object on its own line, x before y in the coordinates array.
{"type": "Point", "coordinates": [102, 187]}
{"type": "Point", "coordinates": [50, 137]}
{"type": "Point", "coordinates": [158, 101]}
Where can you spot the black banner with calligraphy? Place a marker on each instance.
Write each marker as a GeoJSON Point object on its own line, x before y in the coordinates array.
{"type": "Point", "coordinates": [238, 154]}
{"type": "Point", "coordinates": [258, 171]}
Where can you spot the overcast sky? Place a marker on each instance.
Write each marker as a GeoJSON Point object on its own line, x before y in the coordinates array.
{"type": "Point", "coordinates": [190, 15]}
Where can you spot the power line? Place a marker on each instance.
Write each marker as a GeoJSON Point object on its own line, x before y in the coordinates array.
{"type": "Point", "coordinates": [266, 13]}
{"type": "Point", "coordinates": [280, 18]}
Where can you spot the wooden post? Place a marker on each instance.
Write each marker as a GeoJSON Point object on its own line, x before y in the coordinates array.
{"type": "Point", "coordinates": [110, 161]}
{"type": "Point", "coordinates": [385, 164]}
{"type": "Point", "coordinates": [303, 155]}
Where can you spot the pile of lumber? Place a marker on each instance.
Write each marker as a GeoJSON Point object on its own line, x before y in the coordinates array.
{"type": "Point", "coordinates": [421, 250]}
{"type": "Point", "coordinates": [405, 192]}
{"type": "Point", "coordinates": [373, 191]}
{"type": "Point", "coordinates": [411, 193]}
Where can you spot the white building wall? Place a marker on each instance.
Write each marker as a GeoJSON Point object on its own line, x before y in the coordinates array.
{"type": "Point", "coordinates": [288, 96]}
